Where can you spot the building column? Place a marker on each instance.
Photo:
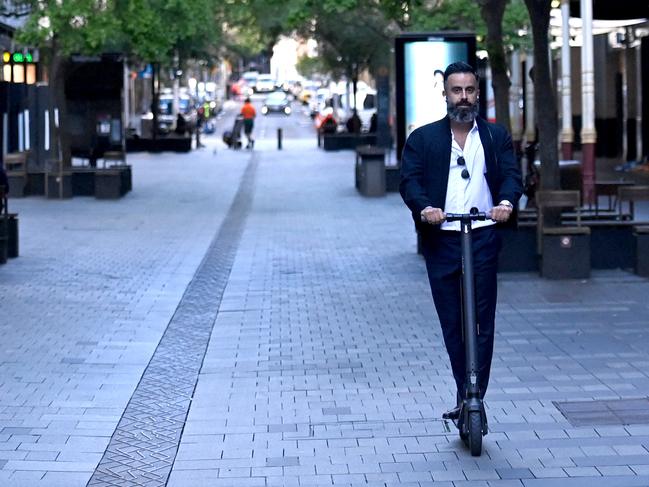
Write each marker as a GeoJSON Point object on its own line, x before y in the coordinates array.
{"type": "Point", "coordinates": [514, 99]}
{"type": "Point", "coordinates": [588, 133]}
{"type": "Point", "coordinates": [567, 133]}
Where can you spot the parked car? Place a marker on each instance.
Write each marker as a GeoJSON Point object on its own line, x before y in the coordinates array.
{"type": "Point", "coordinates": [265, 83]}
{"type": "Point", "coordinates": [277, 102]}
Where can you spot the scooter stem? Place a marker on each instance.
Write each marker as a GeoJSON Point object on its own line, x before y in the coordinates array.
{"type": "Point", "coordinates": [469, 322]}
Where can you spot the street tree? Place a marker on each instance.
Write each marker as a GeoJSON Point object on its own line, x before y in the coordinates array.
{"type": "Point", "coordinates": [352, 36]}
{"type": "Point", "coordinates": [58, 29]}
{"type": "Point", "coordinates": [544, 95]}
{"type": "Point", "coordinates": [492, 12]}
{"type": "Point", "coordinates": [152, 31]}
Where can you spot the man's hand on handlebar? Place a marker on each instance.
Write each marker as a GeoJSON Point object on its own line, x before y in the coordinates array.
{"type": "Point", "coordinates": [433, 216]}
{"type": "Point", "coordinates": [500, 213]}
{"type": "Point", "coordinates": [436, 216]}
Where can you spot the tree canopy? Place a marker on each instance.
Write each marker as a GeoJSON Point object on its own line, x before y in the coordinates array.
{"type": "Point", "coordinates": [350, 32]}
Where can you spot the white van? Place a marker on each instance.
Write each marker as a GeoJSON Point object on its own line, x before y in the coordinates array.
{"type": "Point", "coordinates": [265, 83]}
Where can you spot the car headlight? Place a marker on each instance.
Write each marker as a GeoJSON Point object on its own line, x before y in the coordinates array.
{"type": "Point", "coordinates": [264, 109]}
{"type": "Point", "coordinates": [287, 110]}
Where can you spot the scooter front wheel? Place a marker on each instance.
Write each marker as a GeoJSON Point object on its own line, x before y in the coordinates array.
{"type": "Point", "coordinates": [474, 435]}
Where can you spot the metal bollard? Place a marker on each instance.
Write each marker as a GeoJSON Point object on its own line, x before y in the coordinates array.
{"type": "Point", "coordinates": [279, 139]}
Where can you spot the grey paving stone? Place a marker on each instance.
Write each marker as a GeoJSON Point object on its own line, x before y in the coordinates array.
{"type": "Point", "coordinates": [515, 473]}
{"type": "Point", "coordinates": [282, 461]}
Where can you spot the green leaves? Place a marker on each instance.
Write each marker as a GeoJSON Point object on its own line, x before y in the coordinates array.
{"type": "Point", "coordinates": [149, 30]}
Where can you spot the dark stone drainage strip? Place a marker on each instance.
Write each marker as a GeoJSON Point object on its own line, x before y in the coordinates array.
{"type": "Point", "coordinates": [601, 413]}
{"type": "Point", "coordinates": [143, 447]}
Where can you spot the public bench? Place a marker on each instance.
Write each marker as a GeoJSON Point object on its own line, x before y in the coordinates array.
{"type": "Point", "coordinates": [618, 239]}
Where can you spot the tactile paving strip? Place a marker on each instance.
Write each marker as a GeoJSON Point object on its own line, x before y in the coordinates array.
{"type": "Point", "coordinates": [141, 452]}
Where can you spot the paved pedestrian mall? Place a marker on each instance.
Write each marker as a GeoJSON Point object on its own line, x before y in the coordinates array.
{"type": "Point", "coordinates": [248, 319]}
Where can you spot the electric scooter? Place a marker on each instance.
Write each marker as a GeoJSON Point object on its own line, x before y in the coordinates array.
{"type": "Point", "coordinates": [472, 422]}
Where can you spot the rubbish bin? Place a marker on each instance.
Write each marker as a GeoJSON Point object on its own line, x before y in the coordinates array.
{"type": "Point", "coordinates": [641, 235]}
{"type": "Point", "coordinates": [370, 167]}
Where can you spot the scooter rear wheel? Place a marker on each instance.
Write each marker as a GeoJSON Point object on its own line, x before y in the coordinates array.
{"type": "Point", "coordinates": [474, 436]}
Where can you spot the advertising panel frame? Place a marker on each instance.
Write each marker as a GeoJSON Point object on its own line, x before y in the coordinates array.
{"type": "Point", "coordinates": [403, 81]}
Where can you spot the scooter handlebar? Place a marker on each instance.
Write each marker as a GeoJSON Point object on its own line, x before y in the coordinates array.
{"type": "Point", "coordinates": [477, 216]}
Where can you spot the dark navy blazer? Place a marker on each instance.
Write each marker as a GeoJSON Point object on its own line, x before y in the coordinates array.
{"type": "Point", "coordinates": [425, 165]}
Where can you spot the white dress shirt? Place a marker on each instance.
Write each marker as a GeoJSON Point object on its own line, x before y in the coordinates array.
{"type": "Point", "coordinates": [464, 194]}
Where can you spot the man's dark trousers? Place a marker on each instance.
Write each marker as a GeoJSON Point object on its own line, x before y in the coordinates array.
{"type": "Point", "coordinates": [443, 254]}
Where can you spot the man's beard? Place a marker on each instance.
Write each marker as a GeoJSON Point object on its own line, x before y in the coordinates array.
{"type": "Point", "coordinates": [462, 113]}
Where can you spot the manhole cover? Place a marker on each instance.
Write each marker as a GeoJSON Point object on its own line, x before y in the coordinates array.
{"type": "Point", "coordinates": [610, 412]}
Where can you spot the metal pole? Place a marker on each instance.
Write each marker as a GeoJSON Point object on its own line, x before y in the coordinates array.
{"type": "Point", "coordinates": [279, 139]}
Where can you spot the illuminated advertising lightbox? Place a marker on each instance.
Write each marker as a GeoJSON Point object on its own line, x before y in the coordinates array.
{"type": "Point", "coordinates": [420, 61]}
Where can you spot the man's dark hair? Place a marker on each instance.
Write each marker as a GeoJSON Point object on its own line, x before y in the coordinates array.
{"type": "Point", "coordinates": [247, 100]}
{"type": "Point", "coordinates": [460, 67]}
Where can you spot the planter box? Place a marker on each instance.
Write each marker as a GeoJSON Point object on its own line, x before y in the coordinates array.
{"type": "Point", "coordinates": [17, 184]}
{"type": "Point", "coordinates": [35, 183]}
{"type": "Point", "coordinates": [175, 144]}
{"type": "Point", "coordinates": [113, 182]}
{"type": "Point", "coordinates": [518, 252]}
{"type": "Point", "coordinates": [108, 184]}
{"type": "Point", "coordinates": [83, 181]}
{"type": "Point", "coordinates": [641, 234]}
{"type": "Point", "coordinates": [59, 186]}
{"type": "Point", "coordinates": [611, 244]}
{"type": "Point", "coordinates": [565, 253]}
{"type": "Point", "coordinates": [342, 141]}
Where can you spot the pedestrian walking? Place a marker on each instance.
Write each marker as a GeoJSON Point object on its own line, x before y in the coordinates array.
{"type": "Point", "coordinates": [450, 166]}
{"type": "Point", "coordinates": [200, 120]}
{"type": "Point", "coordinates": [249, 113]}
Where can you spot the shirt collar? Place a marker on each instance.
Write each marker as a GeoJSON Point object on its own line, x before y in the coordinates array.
{"type": "Point", "coordinates": [473, 127]}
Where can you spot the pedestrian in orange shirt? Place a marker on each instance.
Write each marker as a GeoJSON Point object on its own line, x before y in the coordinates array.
{"type": "Point", "coordinates": [248, 112]}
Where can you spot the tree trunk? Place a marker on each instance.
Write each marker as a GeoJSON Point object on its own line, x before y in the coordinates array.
{"type": "Point", "coordinates": [544, 95]}
{"type": "Point", "coordinates": [492, 13]}
{"type": "Point", "coordinates": [60, 136]}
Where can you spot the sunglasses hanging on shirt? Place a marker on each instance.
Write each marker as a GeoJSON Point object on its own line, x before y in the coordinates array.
{"type": "Point", "coordinates": [465, 172]}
